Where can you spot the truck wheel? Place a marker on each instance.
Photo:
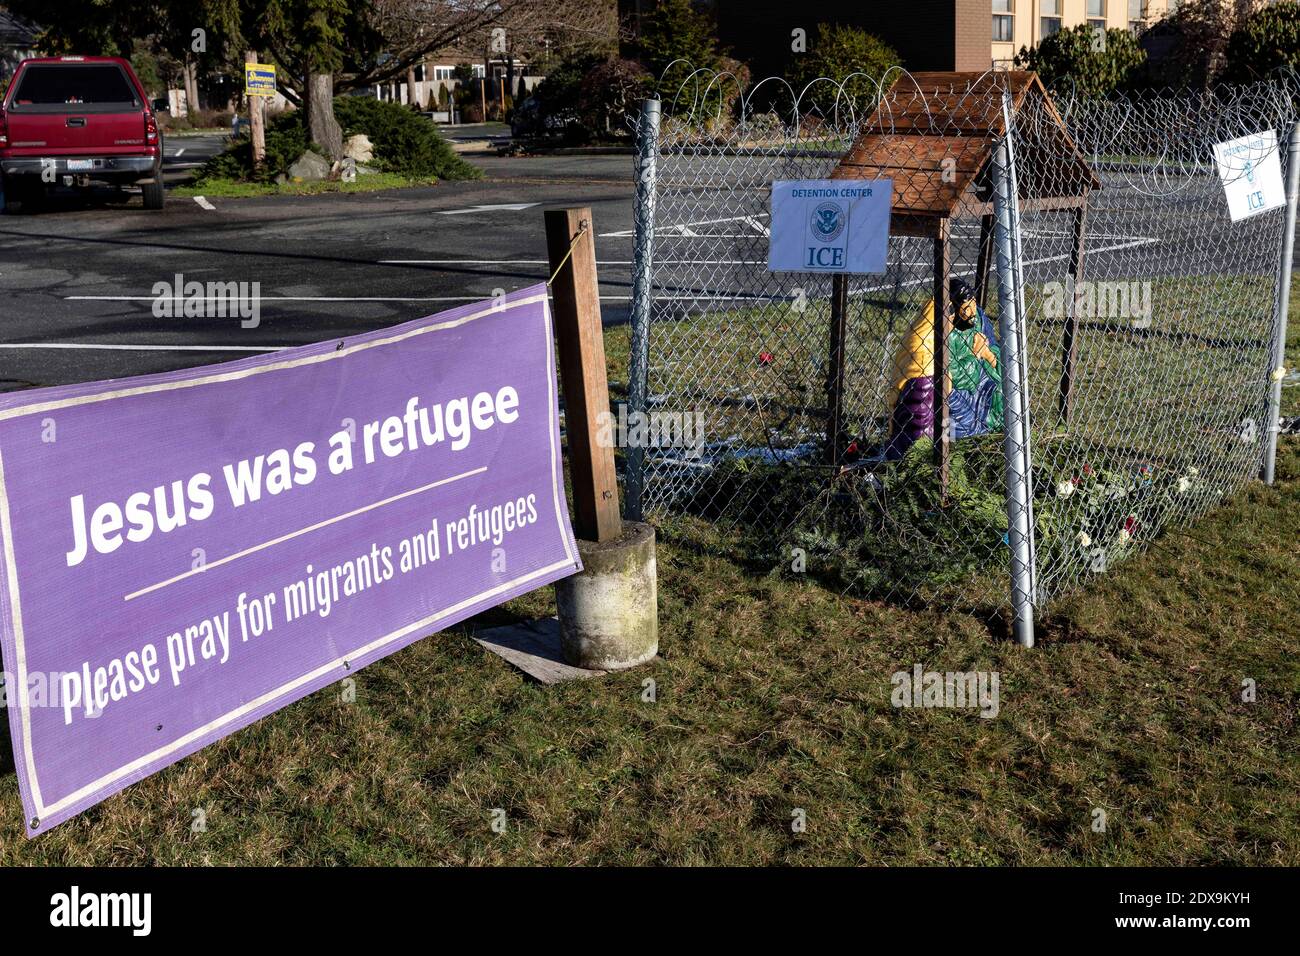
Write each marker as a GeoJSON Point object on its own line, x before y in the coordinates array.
{"type": "Point", "coordinates": [153, 194]}
{"type": "Point", "coordinates": [27, 195]}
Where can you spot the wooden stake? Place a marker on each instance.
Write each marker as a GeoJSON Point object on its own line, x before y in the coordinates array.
{"type": "Point", "coordinates": [1069, 335]}
{"type": "Point", "coordinates": [985, 259]}
{"type": "Point", "coordinates": [942, 379]}
{"type": "Point", "coordinates": [835, 372]}
{"type": "Point", "coordinates": [581, 343]}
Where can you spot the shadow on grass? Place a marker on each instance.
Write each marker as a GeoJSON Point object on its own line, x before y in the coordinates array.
{"type": "Point", "coordinates": [7, 765]}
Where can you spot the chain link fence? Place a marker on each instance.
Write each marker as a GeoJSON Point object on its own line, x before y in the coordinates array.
{"type": "Point", "coordinates": [1150, 400]}
{"type": "Point", "coordinates": [1114, 300]}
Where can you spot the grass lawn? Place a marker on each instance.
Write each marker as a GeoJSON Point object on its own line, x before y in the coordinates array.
{"type": "Point", "coordinates": [772, 695]}
{"type": "Point", "coordinates": [239, 189]}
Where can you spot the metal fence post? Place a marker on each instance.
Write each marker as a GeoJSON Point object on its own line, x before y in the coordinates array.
{"type": "Point", "coordinates": [1022, 344]}
{"type": "Point", "coordinates": [642, 295]}
{"type": "Point", "coordinates": [1016, 420]}
{"type": "Point", "coordinates": [1282, 304]}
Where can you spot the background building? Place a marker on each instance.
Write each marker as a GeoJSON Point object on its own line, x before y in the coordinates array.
{"type": "Point", "coordinates": [1024, 23]}
{"type": "Point", "coordinates": [928, 34]}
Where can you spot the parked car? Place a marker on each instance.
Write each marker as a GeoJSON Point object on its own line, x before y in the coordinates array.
{"type": "Point", "coordinates": [530, 119]}
{"type": "Point", "coordinates": [75, 120]}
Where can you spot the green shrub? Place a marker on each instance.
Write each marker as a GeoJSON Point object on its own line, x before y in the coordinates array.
{"type": "Point", "coordinates": [561, 92]}
{"type": "Point", "coordinates": [889, 531]}
{"type": "Point", "coordinates": [838, 52]}
{"type": "Point", "coordinates": [286, 140]}
{"type": "Point", "coordinates": [677, 31]}
{"type": "Point", "coordinates": [1074, 60]}
{"type": "Point", "coordinates": [1267, 40]}
{"type": "Point", "coordinates": [404, 143]}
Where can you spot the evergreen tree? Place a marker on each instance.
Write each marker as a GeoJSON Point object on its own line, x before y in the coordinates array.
{"type": "Point", "coordinates": [838, 52]}
{"type": "Point", "coordinates": [1078, 60]}
{"type": "Point", "coordinates": [675, 32]}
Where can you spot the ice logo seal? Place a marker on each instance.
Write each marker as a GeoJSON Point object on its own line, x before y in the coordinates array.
{"type": "Point", "coordinates": [828, 221]}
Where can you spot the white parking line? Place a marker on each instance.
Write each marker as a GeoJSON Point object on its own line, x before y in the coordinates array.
{"type": "Point", "coordinates": [543, 262]}
{"type": "Point", "coordinates": [496, 207]}
{"type": "Point", "coordinates": [117, 347]}
{"type": "Point", "coordinates": [685, 228]}
{"type": "Point", "coordinates": [1134, 241]}
{"type": "Point", "coordinates": [203, 202]}
{"type": "Point", "coordinates": [289, 298]}
{"type": "Point", "coordinates": [478, 262]}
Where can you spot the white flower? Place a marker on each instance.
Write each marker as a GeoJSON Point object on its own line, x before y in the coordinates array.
{"type": "Point", "coordinates": [1123, 534]}
{"type": "Point", "coordinates": [1065, 489]}
{"type": "Point", "coordinates": [1193, 470]}
{"type": "Point", "coordinates": [1184, 485]}
{"type": "Point", "coordinates": [1084, 540]}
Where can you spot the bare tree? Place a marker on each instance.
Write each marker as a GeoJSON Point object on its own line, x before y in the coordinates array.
{"type": "Point", "coordinates": [412, 30]}
{"type": "Point", "coordinates": [325, 47]}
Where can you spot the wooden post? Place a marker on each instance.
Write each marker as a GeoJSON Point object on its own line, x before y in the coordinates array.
{"type": "Point", "coordinates": [942, 379]}
{"type": "Point", "coordinates": [501, 88]}
{"type": "Point", "coordinates": [1069, 336]}
{"type": "Point", "coordinates": [482, 96]}
{"type": "Point", "coordinates": [256, 120]}
{"type": "Point", "coordinates": [985, 258]}
{"type": "Point", "coordinates": [581, 344]}
{"type": "Point", "coordinates": [835, 371]}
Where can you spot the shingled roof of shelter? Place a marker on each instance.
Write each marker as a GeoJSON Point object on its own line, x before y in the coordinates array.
{"type": "Point", "coordinates": [926, 118]}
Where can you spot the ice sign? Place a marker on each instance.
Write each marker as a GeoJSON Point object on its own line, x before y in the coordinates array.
{"type": "Point", "coordinates": [1251, 172]}
{"type": "Point", "coordinates": [830, 225]}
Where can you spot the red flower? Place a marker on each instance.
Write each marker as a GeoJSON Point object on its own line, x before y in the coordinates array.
{"type": "Point", "coordinates": [766, 358]}
{"type": "Point", "coordinates": [1130, 524]}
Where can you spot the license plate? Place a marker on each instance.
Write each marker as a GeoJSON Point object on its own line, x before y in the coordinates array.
{"type": "Point", "coordinates": [78, 165]}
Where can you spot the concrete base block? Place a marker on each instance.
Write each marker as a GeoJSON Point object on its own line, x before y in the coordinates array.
{"type": "Point", "coordinates": [609, 614]}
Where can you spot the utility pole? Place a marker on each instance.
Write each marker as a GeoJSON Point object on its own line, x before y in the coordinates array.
{"type": "Point", "coordinates": [256, 118]}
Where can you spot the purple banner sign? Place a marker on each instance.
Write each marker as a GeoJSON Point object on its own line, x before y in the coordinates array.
{"type": "Point", "coordinates": [186, 553]}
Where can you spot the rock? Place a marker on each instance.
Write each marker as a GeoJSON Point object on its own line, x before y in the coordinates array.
{"type": "Point", "coordinates": [339, 170]}
{"type": "Point", "coordinates": [309, 166]}
{"type": "Point", "coordinates": [360, 148]}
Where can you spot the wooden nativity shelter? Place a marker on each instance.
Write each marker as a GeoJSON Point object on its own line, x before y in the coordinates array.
{"type": "Point", "coordinates": [934, 135]}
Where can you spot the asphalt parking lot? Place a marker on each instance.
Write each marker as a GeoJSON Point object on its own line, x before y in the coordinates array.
{"type": "Point", "coordinates": [78, 278]}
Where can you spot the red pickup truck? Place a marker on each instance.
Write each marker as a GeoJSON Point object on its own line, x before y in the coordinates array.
{"type": "Point", "coordinates": [77, 119]}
